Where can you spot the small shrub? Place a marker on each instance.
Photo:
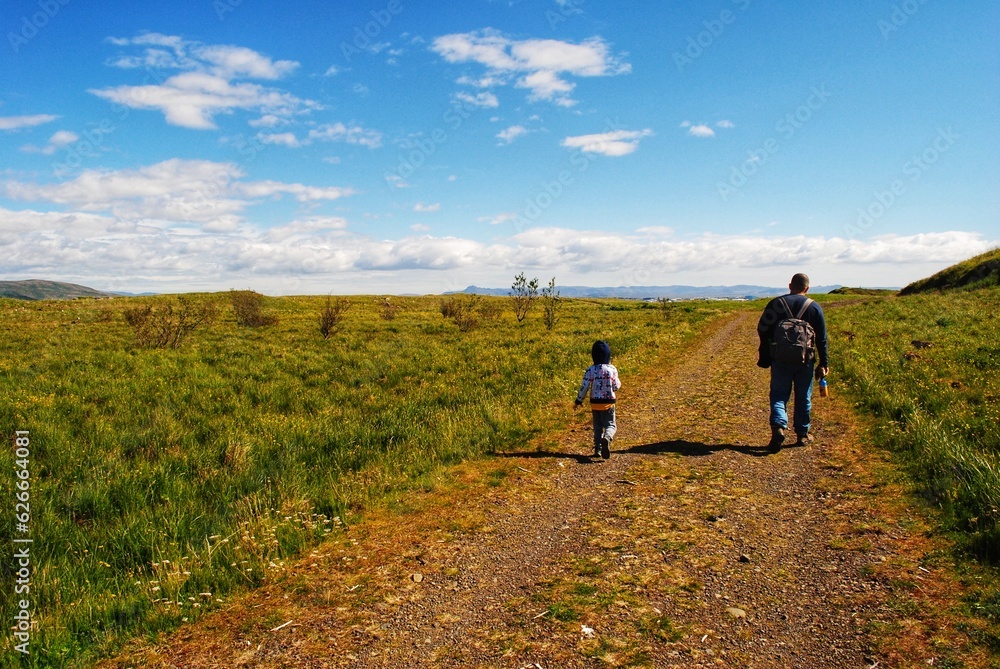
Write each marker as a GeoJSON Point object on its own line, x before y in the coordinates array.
{"type": "Point", "coordinates": [332, 314]}
{"type": "Point", "coordinates": [523, 294]}
{"type": "Point", "coordinates": [550, 304]}
{"type": "Point", "coordinates": [449, 307]}
{"type": "Point", "coordinates": [490, 310]}
{"type": "Point", "coordinates": [166, 326]}
{"type": "Point", "coordinates": [463, 311]}
{"type": "Point", "coordinates": [388, 309]}
{"type": "Point", "coordinates": [248, 308]}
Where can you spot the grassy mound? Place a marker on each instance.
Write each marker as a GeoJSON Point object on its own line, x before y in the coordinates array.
{"type": "Point", "coordinates": [982, 270]}
{"type": "Point", "coordinates": [847, 290]}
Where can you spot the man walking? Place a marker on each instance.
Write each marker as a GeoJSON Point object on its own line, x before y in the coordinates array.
{"type": "Point", "coordinates": [792, 333]}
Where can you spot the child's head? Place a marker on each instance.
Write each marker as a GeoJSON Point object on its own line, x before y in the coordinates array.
{"type": "Point", "coordinates": [601, 353]}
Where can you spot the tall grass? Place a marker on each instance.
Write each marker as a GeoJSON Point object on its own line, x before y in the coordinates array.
{"type": "Point", "coordinates": [926, 367]}
{"type": "Point", "coordinates": [165, 480]}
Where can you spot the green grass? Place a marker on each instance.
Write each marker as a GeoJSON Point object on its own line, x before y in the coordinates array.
{"type": "Point", "coordinates": [978, 272]}
{"type": "Point", "coordinates": [938, 406]}
{"type": "Point", "coordinates": [164, 481]}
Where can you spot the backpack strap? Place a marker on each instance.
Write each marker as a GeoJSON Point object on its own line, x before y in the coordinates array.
{"type": "Point", "coordinates": [805, 307]}
{"type": "Point", "coordinates": [787, 308]}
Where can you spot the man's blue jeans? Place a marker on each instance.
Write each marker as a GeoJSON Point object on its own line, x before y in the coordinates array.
{"type": "Point", "coordinates": [783, 378]}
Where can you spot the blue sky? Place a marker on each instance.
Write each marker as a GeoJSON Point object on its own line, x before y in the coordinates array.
{"type": "Point", "coordinates": [419, 147]}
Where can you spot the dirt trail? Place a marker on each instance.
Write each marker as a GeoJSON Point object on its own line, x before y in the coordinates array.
{"type": "Point", "coordinates": [692, 546]}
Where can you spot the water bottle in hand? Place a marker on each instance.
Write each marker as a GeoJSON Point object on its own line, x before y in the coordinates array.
{"type": "Point", "coordinates": [823, 390]}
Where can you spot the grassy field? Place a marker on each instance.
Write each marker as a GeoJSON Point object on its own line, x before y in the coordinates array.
{"type": "Point", "coordinates": [164, 480]}
{"type": "Point", "coordinates": [925, 366]}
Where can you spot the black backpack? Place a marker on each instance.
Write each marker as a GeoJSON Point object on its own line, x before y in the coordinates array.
{"type": "Point", "coordinates": [794, 338]}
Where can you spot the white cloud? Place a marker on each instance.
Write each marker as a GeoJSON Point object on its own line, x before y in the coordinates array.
{"type": "Point", "coordinates": [206, 85]}
{"type": "Point", "coordinates": [338, 132]}
{"type": "Point", "coordinates": [427, 208]}
{"type": "Point", "coordinates": [331, 71]}
{"type": "Point", "coordinates": [539, 65]}
{"type": "Point", "coordinates": [701, 130]}
{"type": "Point", "coordinates": [267, 121]}
{"type": "Point", "coordinates": [283, 138]}
{"type": "Point", "coordinates": [396, 181]}
{"type": "Point", "coordinates": [480, 100]}
{"type": "Point", "coordinates": [511, 133]}
{"type": "Point", "coordinates": [615, 143]}
{"type": "Point", "coordinates": [499, 219]}
{"type": "Point", "coordinates": [156, 253]}
{"type": "Point", "coordinates": [196, 191]}
{"type": "Point", "coordinates": [725, 124]}
{"type": "Point", "coordinates": [59, 140]}
{"type": "Point", "coordinates": [420, 227]}
{"type": "Point", "coordinates": [18, 122]}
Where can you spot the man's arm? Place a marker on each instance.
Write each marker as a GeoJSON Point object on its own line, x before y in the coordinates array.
{"type": "Point", "coordinates": [819, 326]}
{"type": "Point", "coordinates": [765, 332]}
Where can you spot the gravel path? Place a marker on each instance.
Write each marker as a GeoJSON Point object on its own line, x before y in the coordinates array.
{"type": "Point", "coordinates": [692, 546]}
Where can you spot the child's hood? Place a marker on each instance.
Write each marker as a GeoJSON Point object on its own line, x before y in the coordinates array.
{"type": "Point", "coordinates": [601, 353]}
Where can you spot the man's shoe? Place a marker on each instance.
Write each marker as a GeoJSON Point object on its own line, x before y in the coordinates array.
{"type": "Point", "coordinates": [597, 451]}
{"type": "Point", "coordinates": [804, 439]}
{"type": "Point", "coordinates": [605, 448]}
{"type": "Point", "coordinates": [777, 438]}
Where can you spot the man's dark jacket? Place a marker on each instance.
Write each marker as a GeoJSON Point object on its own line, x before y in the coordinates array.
{"type": "Point", "coordinates": [774, 313]}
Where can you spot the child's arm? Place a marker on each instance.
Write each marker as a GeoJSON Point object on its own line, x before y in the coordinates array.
{"type": "Point", "coordinates": [587, 380]}
{"type": "Point", "coordinates": [616, 383]}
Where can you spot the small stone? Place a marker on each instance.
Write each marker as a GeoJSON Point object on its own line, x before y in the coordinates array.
{"type": "Point", "coordinates": [417, 578]}
{"type": "Point", "coordinates": [745, 558]}
{"type": "Point", "coordinates": [736, 613]}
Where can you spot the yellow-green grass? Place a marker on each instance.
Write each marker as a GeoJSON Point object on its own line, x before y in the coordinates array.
{"type": "Point", "coordinates": [925, 367]}
{"type": "Point", "coordinates": [163, 481]}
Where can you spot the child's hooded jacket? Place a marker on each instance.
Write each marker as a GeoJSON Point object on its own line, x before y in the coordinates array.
{"type": "Point", "coordinates": [601, 378]}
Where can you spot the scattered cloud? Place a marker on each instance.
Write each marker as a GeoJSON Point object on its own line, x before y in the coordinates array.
{"type": "Point", "coordinates": [420, 227]}
{"type": "Point", "coordinates": [704, 129]}
{"type": "Point", "coordinates": [207, 83]}
{"type": "Point", "coordinates": [539, 65]}
{"type": "Point", "coordinates": [283, 138]}
{"type": "Point", "coordinates": [331, 71]}
{"type": "Point", "coordinates": [197, 191]}
{"type": "Point", "coordinates": [481, 100]}
{"type": "Point", "coordinates": [267, 121]}
{"type": "Point", "coordinates": [614, 144]}
{"type": "Point", "coordinates": [396, 181]}
{"type": "Point", "coordinates": [18, 122]}
{"type": "Point", "coordinates": [511, 133]}
{"type": "Point", "coordinates": [427, 208]}
{"type": "Point", "coordinates": [499, 219]}
{"type": "Point", "coordinates": [338, 132]}
{"type": "Point", "coordinates": [60, 140]}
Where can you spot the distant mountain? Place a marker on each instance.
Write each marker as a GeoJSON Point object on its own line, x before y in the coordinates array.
{"type": "Point", "coordinates": [651, 292]}
{"type": "Point", "coordinates": [38, 289]}
{"type": "Point", "coordinates": [981, 270]}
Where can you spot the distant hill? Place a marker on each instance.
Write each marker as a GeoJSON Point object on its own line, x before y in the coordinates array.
{"type": "Point", "coordinates": [650, 292]}
{"type": "Point", "coordinates": [982, 270]}
{"type": "Point", "coordinates": [38, 289]}
{"type": "Point", "coordinates": [847, 290]}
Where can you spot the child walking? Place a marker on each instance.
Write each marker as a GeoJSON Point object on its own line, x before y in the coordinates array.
{"type": "Point", "coordinates": [601, 379]}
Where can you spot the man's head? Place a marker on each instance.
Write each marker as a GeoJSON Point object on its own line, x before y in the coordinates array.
{"type": "Point", "coordinates": [799, 284]}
